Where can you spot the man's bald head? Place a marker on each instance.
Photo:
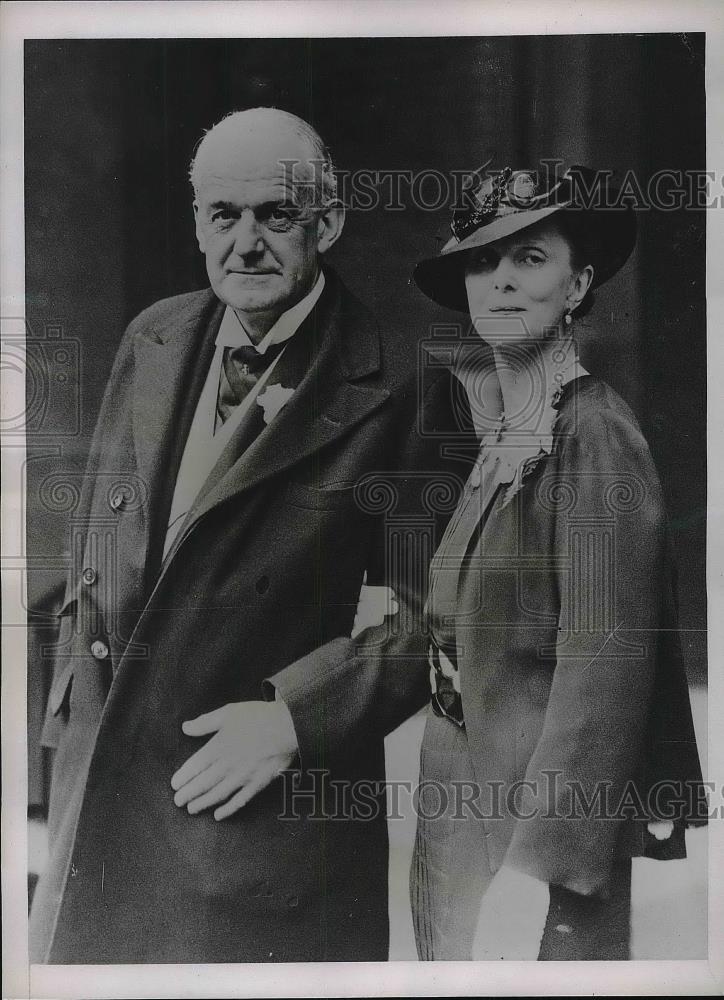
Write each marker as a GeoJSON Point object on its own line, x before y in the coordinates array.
{"type": "Point", "coordinates": [267, 135]}
{"type": "Point", "coordinates": [265, 212]}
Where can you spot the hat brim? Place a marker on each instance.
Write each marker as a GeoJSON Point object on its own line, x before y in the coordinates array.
{"type": "Point", "coordinates": [442, 278]}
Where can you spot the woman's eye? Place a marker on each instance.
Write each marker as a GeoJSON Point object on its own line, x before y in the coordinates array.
{"type": "Point", "coordinates": [533, 258]}
{"type": "Point", "coordinates": [483, 262]}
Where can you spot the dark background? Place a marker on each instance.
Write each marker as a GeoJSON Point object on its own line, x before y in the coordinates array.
{"type": "Point", "coordinates": [110, 126]}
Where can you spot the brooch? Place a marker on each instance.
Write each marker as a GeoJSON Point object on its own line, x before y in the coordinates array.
{"type": "Point", "coordinates": [517, 460]}
{"type": "Point", "coordinates": [514, 189]}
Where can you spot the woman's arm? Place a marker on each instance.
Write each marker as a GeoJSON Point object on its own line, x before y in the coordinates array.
{"type": "Point", "coordinates": [609, 535]}
{"type": "Point", "coordinates": [609, 529]}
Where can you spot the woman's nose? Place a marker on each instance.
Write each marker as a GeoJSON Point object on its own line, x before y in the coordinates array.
{"type": "Point", "coordinates": [504, 274]}
{"type": "Point", "coordinates": [247, 234]}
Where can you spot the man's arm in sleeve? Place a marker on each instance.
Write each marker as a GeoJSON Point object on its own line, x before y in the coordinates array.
{"type": "Point", "coordinates": [351, 690]}
{"type": "Point", "coordinates": [326, 707]}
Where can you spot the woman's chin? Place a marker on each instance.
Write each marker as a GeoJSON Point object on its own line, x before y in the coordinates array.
{"type": "Point", "coordinates": [499, 329]}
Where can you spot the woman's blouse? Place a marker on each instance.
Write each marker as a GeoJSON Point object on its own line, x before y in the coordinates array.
{"type": "Point", "coordinates": [445, 569]}
{"type": "Point", "coordinates": [504, 459]}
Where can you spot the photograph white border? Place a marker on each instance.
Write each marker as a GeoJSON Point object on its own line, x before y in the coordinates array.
{"type": "Point", "coordinates": [303, 18]}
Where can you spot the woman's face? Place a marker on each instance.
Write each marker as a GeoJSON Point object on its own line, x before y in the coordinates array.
{"type": "Point", "coordinates": [520, 287]}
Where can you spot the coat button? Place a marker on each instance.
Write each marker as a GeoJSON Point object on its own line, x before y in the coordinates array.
{"type": "Point", "coordinates": [89, 575]}
{"type": "Point", "coordinates": [99, 650]}
{"type": "Point", "coordinates": [262, 585]}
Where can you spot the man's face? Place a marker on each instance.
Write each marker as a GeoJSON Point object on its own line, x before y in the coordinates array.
{"type": "Point", "coordinates": [261, 243]}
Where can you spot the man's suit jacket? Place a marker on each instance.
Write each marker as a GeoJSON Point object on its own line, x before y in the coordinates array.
{"type": "Point", "coordinates": [259, 591]}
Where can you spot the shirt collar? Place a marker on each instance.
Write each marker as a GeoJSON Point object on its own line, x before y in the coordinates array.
{"type": "Point", "coordinates": [232, 333]}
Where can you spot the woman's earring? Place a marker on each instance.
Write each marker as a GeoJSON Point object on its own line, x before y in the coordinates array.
{"type": "Point", "coordinates": [567, 319]}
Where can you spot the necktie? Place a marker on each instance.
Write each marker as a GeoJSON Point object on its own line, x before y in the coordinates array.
{"type": "Point", "coordinates": [241, 368]}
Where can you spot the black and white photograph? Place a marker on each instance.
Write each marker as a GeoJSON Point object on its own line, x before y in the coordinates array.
{"type": "Point", "coordinates": [361, 500]}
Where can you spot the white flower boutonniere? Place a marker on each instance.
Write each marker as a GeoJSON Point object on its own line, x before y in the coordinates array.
{"type": "Point", "coordinates": [273, 399]}
{"type": "Point", "coordinates": [374, 605]}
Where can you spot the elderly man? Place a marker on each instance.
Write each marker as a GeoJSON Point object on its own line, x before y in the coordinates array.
{"type": "Point", "coordinates": [207, 697]}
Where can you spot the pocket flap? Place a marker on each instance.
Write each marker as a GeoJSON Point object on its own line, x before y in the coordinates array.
{"type": "Point", "coordinates": [60, 689]}
{"type": "Point", "coordinates": [326, 496]}
{"type": "Point", "coordinates": [69, 600]}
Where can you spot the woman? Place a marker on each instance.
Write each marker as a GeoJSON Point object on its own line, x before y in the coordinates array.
{"type": "Point", "coordinates": [559, 699]}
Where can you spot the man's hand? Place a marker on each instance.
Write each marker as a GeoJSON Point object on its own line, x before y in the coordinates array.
{"type": "Point", "coordinates": [512, 918]}
{"type": "Point", "coordinates": [254, 741]}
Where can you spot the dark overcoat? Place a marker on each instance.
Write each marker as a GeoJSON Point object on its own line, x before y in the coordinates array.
{"type": "Point", "coordinates": [261, 586]}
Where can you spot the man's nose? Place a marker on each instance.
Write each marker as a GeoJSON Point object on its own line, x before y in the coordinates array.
{"type": "Point", "coordinates": [247, 234]}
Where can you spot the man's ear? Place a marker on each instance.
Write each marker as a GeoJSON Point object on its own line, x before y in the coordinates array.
{"type": "Point", "coordinates": [330, 225]}
{"type": "Point", "coordinates": [200, 236]}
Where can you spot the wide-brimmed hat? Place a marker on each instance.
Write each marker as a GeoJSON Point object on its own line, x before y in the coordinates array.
{"type": "Point", "coordinates": [497, 204]}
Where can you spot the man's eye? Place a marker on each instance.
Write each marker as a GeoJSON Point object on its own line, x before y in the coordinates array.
{"type": "Point", "coordinates": [281, 216]}
{"type": "Point", "coordinates": [222, 215]}
{"type": "Point", "coordinates": [533, 258]}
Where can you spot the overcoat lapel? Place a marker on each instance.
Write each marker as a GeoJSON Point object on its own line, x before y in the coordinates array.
{"type": "Point", "coordinates": [171, 364]}
{"type": "Point", "coordinates": [325, 357]}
